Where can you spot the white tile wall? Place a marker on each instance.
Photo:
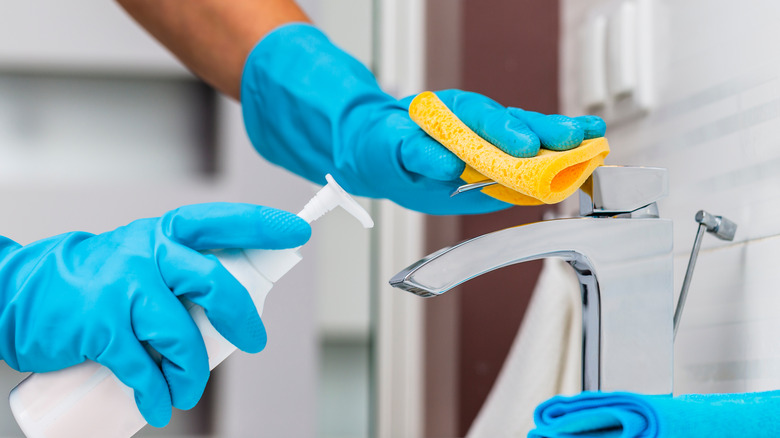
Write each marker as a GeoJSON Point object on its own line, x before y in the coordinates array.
{"type": "Point", "coordinates": [716, 127]}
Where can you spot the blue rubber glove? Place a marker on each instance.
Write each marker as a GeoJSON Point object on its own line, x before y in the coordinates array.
{"type": "Point", "coordinates": [80, 296]}
{"type": "Point", "coordinates": [313, 109]}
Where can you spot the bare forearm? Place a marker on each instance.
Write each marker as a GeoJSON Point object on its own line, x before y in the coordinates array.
{"type": "Point", "coordinates": [213, 37]}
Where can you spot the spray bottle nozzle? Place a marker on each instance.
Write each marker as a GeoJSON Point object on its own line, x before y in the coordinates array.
{"type": "Point", "coordinates": [330, 197]}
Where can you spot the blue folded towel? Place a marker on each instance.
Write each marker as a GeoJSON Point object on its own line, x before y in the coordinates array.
{"type": "Point", "coordinates": [625, 415]}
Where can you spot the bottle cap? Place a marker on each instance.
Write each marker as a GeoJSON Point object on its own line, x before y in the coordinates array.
{"type": "Point", "coordinates": [330, 197]}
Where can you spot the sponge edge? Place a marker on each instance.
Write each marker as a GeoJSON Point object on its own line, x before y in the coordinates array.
{"type": "Point", "coordinates": [498, 191]}
{"type": "Point", "coordinates": [547, 178]}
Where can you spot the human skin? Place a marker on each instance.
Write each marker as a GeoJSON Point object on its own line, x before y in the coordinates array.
{"type": "Point", "coordinates": [213, 37]}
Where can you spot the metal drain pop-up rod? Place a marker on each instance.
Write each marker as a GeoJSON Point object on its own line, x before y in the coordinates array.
{"type": "Point", "coordinates": [723, 229]}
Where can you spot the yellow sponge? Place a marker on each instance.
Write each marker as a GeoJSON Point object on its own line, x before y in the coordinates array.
{"type": "Point", "coordinates": [548, 178]}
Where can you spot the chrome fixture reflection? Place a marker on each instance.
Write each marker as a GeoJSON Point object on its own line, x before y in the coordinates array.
{"type": "Point", "coordinates": [622, 253]}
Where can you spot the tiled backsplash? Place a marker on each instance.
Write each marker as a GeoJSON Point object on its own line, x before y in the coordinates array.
{"type": "Point", "coordinates": [715, 125]}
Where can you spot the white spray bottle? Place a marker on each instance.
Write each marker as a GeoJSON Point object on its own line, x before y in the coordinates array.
{"type": "Point", "coordinates": [87, 400]}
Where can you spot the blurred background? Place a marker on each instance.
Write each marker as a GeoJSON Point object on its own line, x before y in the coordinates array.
{"type": "Point", "coordinates": [99, 126]}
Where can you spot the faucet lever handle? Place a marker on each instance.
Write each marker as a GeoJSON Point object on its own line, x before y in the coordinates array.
{"type": "Point", "coordinates": [613, 190]}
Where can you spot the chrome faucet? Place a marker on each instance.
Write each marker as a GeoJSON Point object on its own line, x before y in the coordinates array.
{"type": "Point", "coordinates": [622, 254]}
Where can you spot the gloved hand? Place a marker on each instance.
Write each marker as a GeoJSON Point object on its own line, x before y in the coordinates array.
{"type": "Point", "coordinates": [80, 296]}
{"type": "Point", "coordinates": [313, 109]}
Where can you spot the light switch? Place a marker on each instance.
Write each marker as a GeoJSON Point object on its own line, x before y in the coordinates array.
{"type": "Point", "coordinates": [646, 56]}
{"type": "Point", "coordinates": [616, 68]}
{"type": "Point", "coordinates": [593, 63]}
{"type": "Point", "coordinates": [622, 51]}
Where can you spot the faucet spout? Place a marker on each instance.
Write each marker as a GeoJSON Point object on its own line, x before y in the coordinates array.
{"type": "Point", "coordinates": [625, 270]}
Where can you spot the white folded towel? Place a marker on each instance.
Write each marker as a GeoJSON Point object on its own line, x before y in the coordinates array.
{"type": "Point", "coordinates": [545, 358]}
